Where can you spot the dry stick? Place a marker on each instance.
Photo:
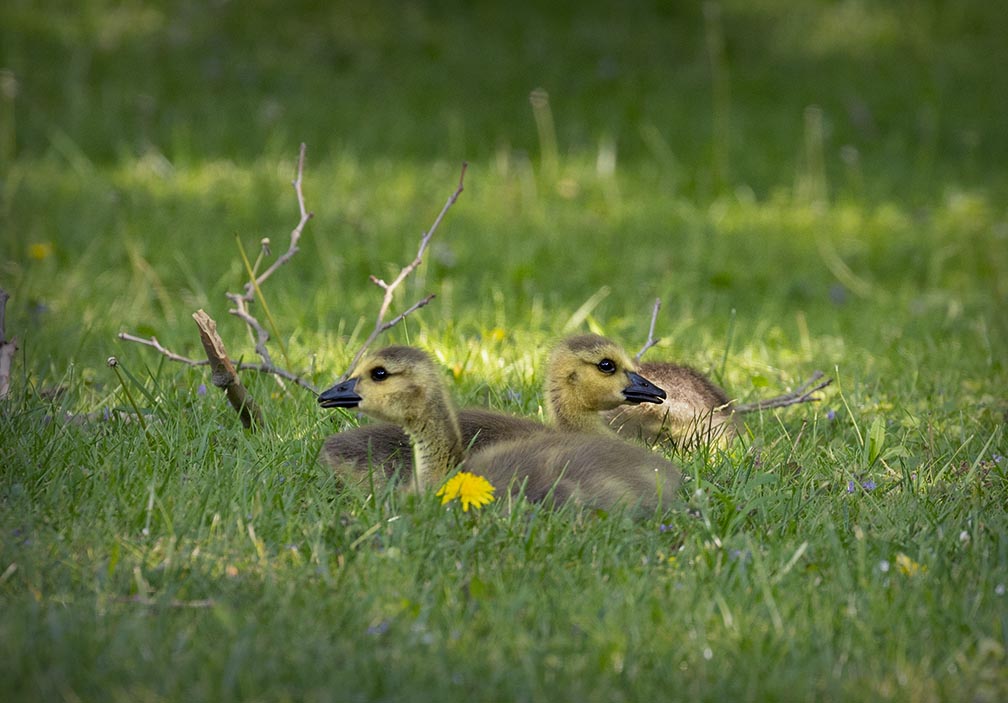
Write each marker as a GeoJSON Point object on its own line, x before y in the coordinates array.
{"type": "Point", "coordinates": [224, 375]}
{"type": "Point", "coordinates": [173, 603]}
{"type": "Point", "coordinates": [389, 288]}
{"type": "Point", "coordinates": [651, 341]}
{"type": "Point", "coordinates": [8, 347]}
{"type": "Point", "coordinates": [153, 343]}
{"type": "Point", "coordinates": [242, 300]}
{"type": "Point", "coordinates": [802, 394]}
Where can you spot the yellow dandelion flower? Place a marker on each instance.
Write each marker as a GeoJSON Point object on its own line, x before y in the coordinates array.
{"type": "Point", "coordinates": [40, 251]}
{"type": "Point", "coordinates": [469, 488]}
{"type": "Point", "coordinates": [908, 566]}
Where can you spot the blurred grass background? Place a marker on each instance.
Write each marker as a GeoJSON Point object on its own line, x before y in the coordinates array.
{"type": "Point", "coordinates": [833, 159]}
{"type": "Point", "coordinates": [813, 185]}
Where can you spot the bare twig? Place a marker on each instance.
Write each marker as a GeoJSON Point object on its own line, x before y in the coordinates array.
{"type": "Point", "coordinates": [295, 234]}
{"type": "Point", "coordinates": [651, 341]}
{"type": "Point", "coordinates": [262, 336]}
{"type": "Point", "coordinates": [153, 343]}
{"type": "Point", "coordinates": [7, 347]}
{"type": "Point", "coordinates": [389, 288]}
{"type": "Point", "coordinates": [173, 603]}
{"type": "Point", "coordinates": [241, 301]}
{"type": "Point", "coordinates": [801, 394]}
{"type": "Point", "coordinates": [224, 375]}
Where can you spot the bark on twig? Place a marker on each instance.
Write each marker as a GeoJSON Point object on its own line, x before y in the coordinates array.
{"type": "Point", "coordinates": [389, 288]}
{"type": "Point", "coordinates": [651, 341]}
{"type": "Point", "coordinates": [224, 375]}
{"type": "Point", "coordinates": [801, 394]}
{"type": "Point", "coordinates": [8, 347]}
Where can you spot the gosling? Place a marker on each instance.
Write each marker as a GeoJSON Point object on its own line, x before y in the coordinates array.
{"type": "Point", "coordinates": [584, 375]}
{"type": "Point", "coordinates": [402, 385]}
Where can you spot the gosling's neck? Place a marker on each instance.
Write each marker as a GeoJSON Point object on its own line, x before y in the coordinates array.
{"type": "Point", "coordinates": [566, 412]}
{"type": "Point", "coordinates": [437, 443]}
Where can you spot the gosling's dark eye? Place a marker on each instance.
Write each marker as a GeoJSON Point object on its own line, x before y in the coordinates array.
{"type": "Point", "coordinates": [379, 374]}
{"type": "Point", "coordinates": [607, 366]}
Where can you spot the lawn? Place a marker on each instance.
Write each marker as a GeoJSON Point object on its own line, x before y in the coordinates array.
{"type": "Point", "coordinates": [805, 186]}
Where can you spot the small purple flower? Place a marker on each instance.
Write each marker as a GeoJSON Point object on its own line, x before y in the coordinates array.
{"type": "Point", "coordinates": [379, 629]}
{"type": "Point", "coordinates": [831, 414]}
{"type": "Point", "coordinates": [868, 484]}
{"type": "Point", "coordinates": [837, 294]}
{"type": "Point", "coordinates": [201, 390]}
{"type": "Point", "coordinates": [664, 528]}
{"type": "Point", "coordinates": [997, 459]}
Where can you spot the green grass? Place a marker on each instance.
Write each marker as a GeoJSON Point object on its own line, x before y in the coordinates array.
{"type": "Point", "coordinates": [805, 187]}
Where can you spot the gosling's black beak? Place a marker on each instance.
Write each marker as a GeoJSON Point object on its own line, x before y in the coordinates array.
{"type": "Point", "coordinates": [341, 395]}
{"type": "Point", "coordinates": [642, 390]}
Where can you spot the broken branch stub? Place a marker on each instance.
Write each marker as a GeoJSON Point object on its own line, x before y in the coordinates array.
{"type": "Point", "coordinates": [8, 347]}
{"type": "Point", "coordinates": [224, 375]}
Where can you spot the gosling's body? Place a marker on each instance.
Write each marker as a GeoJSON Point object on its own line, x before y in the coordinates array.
{"type": "Point", "coordinates": [695, 411]}
{"type": "Point", "coordinates": [402, 385]}
{"type": "Point", "coordinates": [577, 388]}
{"type": "Point", "coordinates": [589, 469]}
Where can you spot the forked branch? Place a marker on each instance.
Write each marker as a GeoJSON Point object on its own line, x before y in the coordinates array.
{"type": "Point", "coordinates": [241, 301]}
{"type": "Point", "coordinates": [380, 324]}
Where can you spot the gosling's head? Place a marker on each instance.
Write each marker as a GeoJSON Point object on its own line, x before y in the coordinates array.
{"type": "Point", "coordinates": [589, 373]}
{"type": "Point", "coordinates": [396, 384]}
